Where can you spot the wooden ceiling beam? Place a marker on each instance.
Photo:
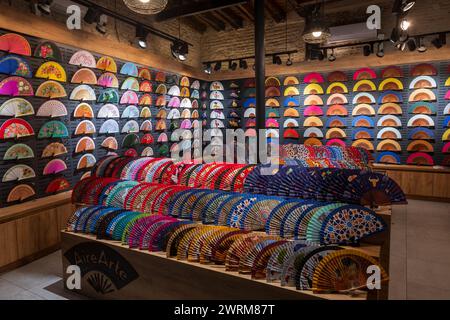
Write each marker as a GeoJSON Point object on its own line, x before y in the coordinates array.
{"type": "Point", "coordinates": [195, 24]}
{"type": "Point", "coordinates": [247, 11]}
{"type": "Point", "coordinates": [233, 19]}
{"type": "Point", "coordinates": [277, 13]}
{"type": "Point", "coordinates": [216, 25]}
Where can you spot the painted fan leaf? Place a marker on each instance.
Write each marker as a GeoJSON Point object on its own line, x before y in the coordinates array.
{"type": "Point", "coordinates": [15, 86]}
{"type": "Point", "coordinates": [20, 193]}
{"type": "Point", "coordinates": [15, 43]}
{"type": "Point", "coordinates": [15, 128]}
{"type": "Point", "coordinates": [52, 109]}
{"type": "Point", "coordinates": [53, 129]}
{"type": "Point", "coordinates": [51, 89]}
{"type": "Point", "coordinates": [15, 66]}
{"type": "Point", "coordinates": [16, 107]}
{"type": "Point", "coordinates": [54, 149]}
{"type": "Point", "coordinates": [48, 50]}
{"type": "Point", "coordinates": [18, 172]}
{"type": "Point", "coordinates": [83, 59]}
{"type": "Point", "coordinates": [18, 151]}
{"type": "Point", "coordinates": [51, 71]}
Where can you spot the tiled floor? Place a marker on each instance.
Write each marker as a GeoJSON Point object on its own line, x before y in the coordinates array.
{"type": "Point", "coordinates": [39, 280]}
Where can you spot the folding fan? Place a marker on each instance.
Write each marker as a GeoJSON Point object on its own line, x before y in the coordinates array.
{"type": "Point", "coordinates": [146, 86]}
{"type": "Point", "coordinates": [390, 84]}
{"type": "Point", "coordinates": [160, 77]}
{"type": "Point", "coordinates": [108, 96]}
{"type": "Point", "coordinates": [363, 109]}
{"type": "Point", "coordinates": [363, 143]}
{"type": "Point", "coordinates": [364, 86]}
{"type": "Point", "coordinates": [337, 87]}
{"type": "Point", "coordinates": [84, 76]}
{"type": "Point", "coordinates": [15, 43]}
{"type": "Point", "coordinates": [15, 128]}
{"type": "Point", "coordinates": [337, 76]}
{"type": "Point", "coordinates": [173, 114]}
{"type": "Point", "coordinates": [21, 192]}
{"type": "Point", "coordinates": [15, 86]}
{"type": "Point", "coordinates": [423, 82]}
{"type": "Point", "coordinates": [272, 92]}
{"type": "Point", "coordinates": [420, 146]}
{"type": "Point", "coordinates": [291, 112]}
{"type": "Point", "coordinates": [110, 143]}
{"type": "Point", "coordinates": [130, 112]}
{"type": "Point", "coordinates": [312, 100]}
{"type": "Point", "coordinates": [313, 122]}
{"type": "Point", "coordinates": [57, 185]}
{"type": "Point", "coordinates": [390, 108]}
{"type": "Point", "coordinates": [129, 97]}
{"type": "Point", "coordinates": [420, 133]}
{"type": "Point", "coordinates": [313, 111]}
{"type": "Point", "coordinates": [49, 51]}
{"type": "Point", "coordinates": [86, 161]}
{"type": "Point", "coordinates": [16, 107]}
{"type": "Point", "coordinates": [216, 86]}
{"type": "Point", "coordinates": [83, 110]}
{"type": "Point", "coordinates": [108, 80]}
{"type": "Point", "coordinates": [51, 70]}
{"type": "Point", "coordinates": [216, 105]}
{"type": "Point", "coordinates": [423, 69]}
{"type": "Point", "coordinates": [186, 114]}
{"type": "Point", "coordinates": [131, 127]}
{"type": "Point", "coordinates": [420, 158]}
{"type": "Point", "coordinates": [18, 151]}
{"type": "Point", "coordinates": [389, 145]}
{"type": "Point", "coordinates": [147, 152]}
{"type": "Point", "coordinates": [313, 77]}
{"type": "Point", "coordinates": [129, 69]}
{"type": "Point", "coordinates": [174, 102]}
{"type": "Point", "coordinates": [130, 84]}
{"type": "Point", "coordinates": [422, 107]}
{"type": "Point", "coordinates": [291, 91]}
{"type": "Point", "coordinates": [313, 88]}
{"type": "Point", "coordinates": [333, 133]}
{"type": "Point", "coordinates": [313, 132]}
{"type": "Point", "coordinates": [145, 113]}
{"type": "Point", "coordinates": [83, 59]}
{"type": "Point", "coordinates": [54, 166]}
{"type": "Point", "coordinates": [216, 95]}
{"type": "Point", "coordinates": [389, 133]}
{"type": "Point", "coordinates": [108, 111]}
{"type": "Point", "coordinates": [185, 92]}
{"type": "Point", "coordinates": [186, 103]}
{"type": "Point", "coordinates": [335, 121]}
{"type": "Point", "coordinates": [53, 129]}
{"type": "Point", "coordinates": [391, 72]}
{"type": "Point", "coordinates": [85, 144]}
{"type": "Point", "coordinates": [422, 95]}
{"type": "Point", "coordinates": [54, 149]}
{"type": "Point", "coordinates": [365, 97]}
{"type": "Point", "coordinates": [364, 121]}
{"type": "Point", "coordinates": [83, 93]}
{"type": "Point", "coordinates": [144, 73]}
{"type": "Point", "coordinates": [85, 127]}
{"type": "Point", "coordinates": [337, 110]}
{"type": "Point", "coordinates": [18, 172]}
{"type": "Point", "coordinates": [146, 100]}
{"type": "Point", "coordinates": [388, 157]}
{"type": "Point", "coordinates": [107, 64]}
{"type": "Point", "coordinates": [420, 120]}
{"type": "Point", "coordinates": [15, 66]}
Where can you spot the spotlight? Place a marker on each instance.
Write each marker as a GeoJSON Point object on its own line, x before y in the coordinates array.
{"type": "Point", "coordinates": [141, 36]}
{"type": "Point", "coordinates": [332, 57]}
{"type": "Point", "coordinates": [420, 45]}
{"type": "Point", "coordinates": [243, 64]}
{"type": "Point", "coordinates": [101, 24]}
{"type": "Point", "coordinates": [289, 61]}
{"type": "Point", "coordinates": [411, 44]}
{"type": "Point", "coordinates": [380, 51]}
{"type": "Point", "coordinates": [41, 7]}
{"type": "Point", "coordinates": [218, 66]}
{"type": "Point", "coordinates": [439, 41]}
{"type": "Point", "coordinates": [321, 55]}
{"type": "Point", "coordinates": [208, 68]}
{"type": "Point", "coordinates": [394, 35]}
{"type": "Point", "coordinates": [404, 24]}
{"type": "Point", "coordinates": [402, 6]}
{"type": "Point", "coordinates": [367, 50]}
{"type": "Point", "coordinates": [92, 15]}
{"type": "Point", "coordinates": [179, 50]}
{"type": "Point", "coordinates": [232, 65]}
{"type": "Point", "coordinates": [276, 60]}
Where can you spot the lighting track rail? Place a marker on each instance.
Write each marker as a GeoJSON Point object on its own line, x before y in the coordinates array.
{"type": "Point", "coordinates": [281, 53]}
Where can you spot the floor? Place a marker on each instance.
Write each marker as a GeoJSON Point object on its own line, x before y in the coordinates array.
{"type": "Point", "coordinates": [39, 280]}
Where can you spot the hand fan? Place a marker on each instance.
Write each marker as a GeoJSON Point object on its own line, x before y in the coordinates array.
{"type": "Point", "coordinates": [146, 100]}
{"type": "Point", "coordinates": [107, 64]}
{"type": "Point", "coordinates": [176, 237]}
{"type": "Point", "coordinates": [220, 249]}
{"type": "Point", "coordinates": [131, 127]}
{"type": "Point", "coordinates": [144, 73]}
{"type": "Point", "coordinates": [195, 94]}
{"type": "Point", "coordinates": [83, 93]}
{"type": "Point", "coordinates": [108, 96]}
{"type": "Point", "coordinates": [130, 112]}
{"type": "Point", "coordinates": [15, 128]}
{"type": "Point", "coordinates": [130, 84]}
{"type": "Point", "coordinates": [16, 107]}
{"type": "Point", "coordinates": [247, 261]}
{"type": "Point", "coordinates": [186, 103]}
{"type": "Point", "coordinates": [146, 126]}
{"type": "Point", "coordinates": [53, 129]}
{"type": "Point", "coordinates": [161, 89]}
{"type": "Point", "coordinates": [54, 166]}
{"type": "Point", "coordinates": [57, 185]}
{"type": "Point", "coordinates": [15, 43]}
{"type": "Point", "coordinates": [83, 110]}
{"type": "Point", "coordinates": [85, 127]}
{"type": "Point", "coordinates": [116, 196]}
{"type": "Point", "coordinates": [86, 161]}
{"type": "Point", "coordinates": [49, 51]}
{"type": "Point", "coordinates": [160, 77]}
{"type": "Point", "coordinates": [145, 113]}
{"type": "Point", "coordinates": [54, 149]}
{"type": "Point", "coordinates": [145, 238]}
{"type": "Point", "coordinates": [183, 245]}
{"type": "Point", "coordinates": [83, 59]}
{"type": "Point", "coordinates": [129, 69]}
{"type": "Point", "coordinates": [119, 220]}
{"type": "Point", "coordinates": [147, 152]}
{"type": "Point", "coordinates": [85, 144]}
{"type": "Point", "coordinates": [15, 66]}
{"type": "Point", "coordinates": [205, 249]}
{"type": "Point", "coordinates": [261, 259]}
{"type": "Point", "coordinates": [84, 76]}
{"type": "Point", "coordinates": [130, 140]}
{"type": "Point", "coordinates": [288, 272]}
{"type": "Point", "coordinates": [93, 222]}
{"type": "Point", "coordinates": [108, 111]}
{"type": "Point", "coordinates": [194, 247]}
{"type": "Point", "coordinates": [18, 151]}
{"type": "Point", "coordinates": [145, 86]}
{"type": "Point", "coordinates": [51, 70]}
{"type": "Point", "coordinates": [118, 232]}
{"type": "Point", "coordinates": [174, 91]}
{"type": "Point", "coordinates": [20, 193]}
{"type": "Point", "coordinates": [344, 271]}
{"type": "Point", "coordinates": [129, 97]}
{"type": "Point", "coordinates": [18, 172]}
{"type": "Point", "coordinates": [108, 80]}
{"type": "Point", "coordinates": [15, 86]}
{"type": "Point", "coordinates": [52, 109]}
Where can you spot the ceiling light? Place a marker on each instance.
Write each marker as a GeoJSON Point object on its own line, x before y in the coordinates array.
{"type": "Point", "coordinates": [315, 29]}
{"type": "Point", "coordinates": [208, 69]}
{"type": "Point", "coordinates": [146, 6]}
{"type": "Point", "coordinates": [421, 45]}
{"type": "Point", "coordinates": [101, 24]}
{"type": "Point", "coordinates": [332, 57]}
{"type": "Point", "coordinates": [232, 65]}
{"type": "Point", "coordinates": [380, 51]}
{"type": "Point", "coordinates": [405, 24]}
{"type": "Point", "coordinates": [243, 64]}
{"type": "Point", "coordinates": [289, 61]}
{"type": "Point", "coordinates": [179, 50]}
{"type": "Point", "coordinates": [276, 60]}
{"type": "Point", "coordinates": [407, 5]}
{"type": "Point", "coordinates": [141, 36]}
{"type": "Point", "coordinates": [218, 66]}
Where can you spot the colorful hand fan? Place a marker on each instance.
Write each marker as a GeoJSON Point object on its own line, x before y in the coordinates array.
{"type": "Point", "coordinates": [18, 172]}
{"type": "Point", "coordinates": [57, 185]}
{"type": "Point", "coordinates": [54, 166]}
{"type": "Point", "coordinates": [49, 51]}
{"type": "Point", "coordinates": [16, 107]}
{"type": "Point", "coordinates": [14, 43]}
{"type": "Point", "coordinates": [85, 144]}
{"type": "Point", "coordinates": [130, 112]}
{"type": "Point", "coordinates": [110, 143]}
{"type": "Point", "coordinates": [51, 89]}
{"type": "Point", "coordinates": [52, 109]}
{"type": "Point", "coordinates": [423, 69]}
{"type": "Point", "coordinates": [53, 129]}
{"type": "Point", "coordinates": [15, 66]}
{"type": "Point", "coordinates": [83, 59]}
{"type": "Point", "coordinates": [422, 95]}
{"type": "Point", "coordinates": [15, 128]}
{"type": "Point", "coordinates": [84, 76]}
{"type": "Point", "coordinates": [18, 151]}
{"type": "Point", "coordinates": [144, 73]}
{"type": "Point", "coordinates": [147, 152]}
{"type": "Point", "coordinates": [130, 84]}
{"type": "Point", "coordinates": [392, 72]}
{"type": "Point", "coordinates": [129, 69]}
{"type": "Point", "coordinates": [145, 113]}
{"type": "Point", "coordinates": [108, 80]}
{"type": "Point", "coordinates": [337, 76]}
{"type": "Point", "coordinates": [108, 96]}
{"type": "Point", "coordinates": [174, 91]}
{"type": "Point", "coordinates": [364, 74]}
{"type": "Point", "coordinates": [313, 77]}
{"type": "Point", "coordinates": [83, 110]}
{"type": "Point", "coordinates": [160, 77]}
{"type": "Point", "coordinates": [86, 161]}
{"type": "Point", "coordinates": [390, 84]}
{"type": "Point", "coordinates": [129, 97]}
{"type": "Point", "coordinates": [130, 140]}
{"type": "Point", "coordinates": [146, 100]}
{"type": "Point", "coordinates": [109, 126]}
{"type": "Point", "coordinates": [107, 64]}
{"type": "Point", "coordinates": [51, 70]}
{"type": "Point", "coordinates": [146, 86]}
{"type": "Point", "coordinates": [15, 86]}
{"type": "Point", "coordinates": [20, 193]}
{"type": "Point", "coordinates": [364, 86]}
{"type": "Point", "coordinates": [85, 127]}
{"type": "Point", "coordinates": [420, 158]}
{"type": "Point", "coordinates": [54, 149]}
{"type": "Point", "coordinates": [130, 127]}
{"type": "Point", "coordinates": [108, 111]}
{"type": "Point", "coordinates": [83, 93]}
{"type": "Point", "coordinates": [196, 85]}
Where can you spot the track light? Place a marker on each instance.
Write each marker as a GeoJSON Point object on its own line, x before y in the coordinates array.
{"type": "Point", "coordinates": [243, 64]}
{"type": "Point", "coordinates": [41, 7]}
{"type": "Point", "coordinates": [332, 57]}
{"type": "Point", "coordinates": [380, 51]}
{"type": "Point", "coordinates": [411, 44]}
{"type": "Point", "coordinates": [179, 50]}
{"type": "Point", "coordinates": [208, 69]}
{"type": "Point", "coordinates": [141, 36]}
{"type": "Point", "coordinates": [367, 50]}
{"type": "Point", "coordinates": [421, 45]}
{"type": "Point", "coordinates": [402, 6]}
{"type": "Point", "coordinates": [232, 65]}
{"type": "Point", "coordinates": [92, 15]}
{"type": "Point", "coordinates": [276, 60]}
{"type": "Point", "coordinates": [101, 24]}
{"type": "Point", "coordinates": [289, 61]}
{"type": "Point", "coordinates": [404, 24]}
{"type": "Point", "coordinates": [218, 66]}
{"type": "Point", "coordinates": [440, 41]}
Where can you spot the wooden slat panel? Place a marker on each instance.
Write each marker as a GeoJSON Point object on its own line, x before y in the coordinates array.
{"type": "Point", "coordinates": [8, 243]}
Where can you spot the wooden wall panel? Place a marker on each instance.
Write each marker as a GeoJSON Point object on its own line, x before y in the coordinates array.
{"type": "Point", "coordinates": [8, 243]}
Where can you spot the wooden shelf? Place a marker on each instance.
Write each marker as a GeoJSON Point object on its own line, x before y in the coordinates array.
{"type": "Point", "coordinates": [435, 169]}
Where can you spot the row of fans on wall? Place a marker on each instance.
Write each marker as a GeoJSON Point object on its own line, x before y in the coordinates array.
{"type": "Point", "coordinates": [400, 115]}
{"type": "Point", "coordinates": [96, 97]}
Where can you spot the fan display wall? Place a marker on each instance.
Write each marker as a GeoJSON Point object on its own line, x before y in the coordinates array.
{"type": "Point", "coordinates": [62, 108]}
{"type": "Point", "coordinates": [400, 113]}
